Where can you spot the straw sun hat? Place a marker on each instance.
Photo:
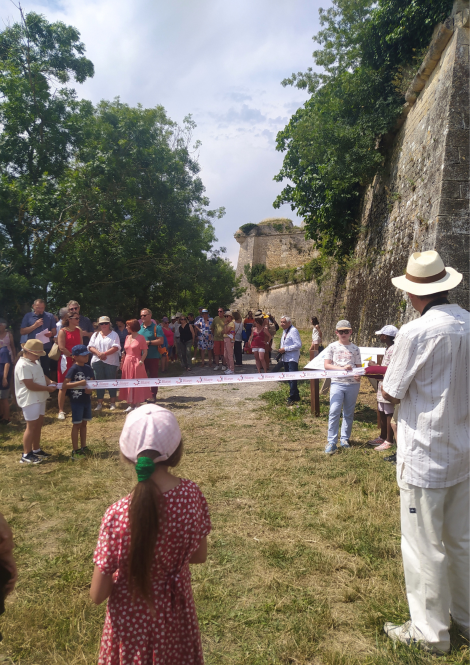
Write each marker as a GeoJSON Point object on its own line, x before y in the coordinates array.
{"type": "Point", "coordinates": [426, 274]}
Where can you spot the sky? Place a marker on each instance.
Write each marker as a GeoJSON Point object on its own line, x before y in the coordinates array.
{"type": "Point", "coordinates": [222, 62]}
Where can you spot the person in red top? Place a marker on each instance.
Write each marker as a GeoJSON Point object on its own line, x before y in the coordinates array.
{"type": "Point", "coordinates": [147, 541]}
{"type": "Point", "coordinates": [258, 341]}
{"type": "Point", "coordinates": [69, 336]}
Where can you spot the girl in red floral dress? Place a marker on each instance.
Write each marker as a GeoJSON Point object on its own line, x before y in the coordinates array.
{"type": "Point", "coordinates": [147, 541]}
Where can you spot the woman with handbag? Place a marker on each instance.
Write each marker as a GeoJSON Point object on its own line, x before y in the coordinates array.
{"type": "Point", "coordinates": [105, 346]}
{"type": "Point", "coordinates": [69, 336]}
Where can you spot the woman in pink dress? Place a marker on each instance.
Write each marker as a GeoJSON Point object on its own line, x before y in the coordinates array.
{"type": "Point", "coordinates": [69, 335]}
{"type": "Point", "coordinates": [147, 541]}
{"type": "Point", "coordinates": [136, 349]}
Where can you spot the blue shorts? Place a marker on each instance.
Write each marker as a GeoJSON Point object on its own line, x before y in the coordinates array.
{"type": "Point", "coordinates": [80, 412]}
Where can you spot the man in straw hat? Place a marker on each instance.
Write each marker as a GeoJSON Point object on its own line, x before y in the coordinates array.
{"type": "Point", "coordinates": [428, 375]}
{"type": "Point", "coordinates": [32, 389]}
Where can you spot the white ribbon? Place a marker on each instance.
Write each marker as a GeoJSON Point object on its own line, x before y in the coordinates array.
{"type": "Point", "coordinates": [223, 378]}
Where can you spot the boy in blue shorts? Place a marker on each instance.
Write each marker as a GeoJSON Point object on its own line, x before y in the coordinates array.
{"type": "Point", "coordinates": [80, 400]}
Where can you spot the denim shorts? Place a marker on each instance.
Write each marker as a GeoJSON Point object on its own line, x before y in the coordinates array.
{"type": "Point", "coordinates": [80, 412]}
{"type": "Point", "coordinates": [5, 393]}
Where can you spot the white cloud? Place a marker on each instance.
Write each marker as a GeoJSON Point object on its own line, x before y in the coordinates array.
{"type": "Point", "coordinates": [222, 62]}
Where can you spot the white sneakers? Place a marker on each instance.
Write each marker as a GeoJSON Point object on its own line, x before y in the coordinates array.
{"type": "Point", "coordinates": [112, 407]}
{"type": "Point", "coordinates": [129, 409]}
{"type": "Point", "coordinates": [61, 415]}
{"type": "Point", "coordinates": [409, 634]}
{"type": "Point", "coordinates": [229, 371]}
{"type": "Point", "coordinates": [99, 407]}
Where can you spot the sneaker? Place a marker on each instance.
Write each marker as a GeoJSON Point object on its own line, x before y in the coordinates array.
{"type": "Point", "coordinates": [376, 442]}
{"type": "Point", "coordinates": [77, 454]}
{"type": "Point", "coordinates": [129, 409]}
{"type": "Point", "coordinates": [112, 407]}
{"type": "Point", "coordinates": [229, 371]}
{"type": "Point", "coordinates": [410, 635]}
{"type": "Point", "coordinates": [30, 458]}
{"type": "Point", "coordinates": [383, 446]}
{"type": "Point", "coordinates": [42, 454]}
{"type": "Point", "coordinates": [85, 450]}
{"type": "Point", "coordinates": [331, 449]}
{"type": "Point", "coordinates": [223, 368]}
{"type": "Point", "coordinates": [99, 407]}
{"type": "Point", "coordinates": [61, 415]}
{"type": "Point", "coordinates": [216, 368]}
{"type": "Point", "coordinates": [391, 458]}
{"type": "Point", "coordinates": [345, 444]}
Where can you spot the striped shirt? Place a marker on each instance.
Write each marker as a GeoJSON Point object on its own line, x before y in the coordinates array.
{"type": "Point", "coordinates": [429, 374]}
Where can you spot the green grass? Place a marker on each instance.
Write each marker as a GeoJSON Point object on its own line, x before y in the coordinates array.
{"type": "Point", "coordinates": [304, 558]}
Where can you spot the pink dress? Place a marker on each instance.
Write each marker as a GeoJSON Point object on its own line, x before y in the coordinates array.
{"type": "Point", "coordinates": [132, 370]}
{"type": "Point", "coordinates": [132, 635]}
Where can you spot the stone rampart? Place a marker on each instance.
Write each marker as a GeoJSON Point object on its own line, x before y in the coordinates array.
{"type": "Point", "coordinates": [418, 202]}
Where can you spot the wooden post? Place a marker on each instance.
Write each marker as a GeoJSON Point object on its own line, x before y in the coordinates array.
{"type": "Point", "coordinates": [314, 393]}
{"type": "Point", "coordinates": [379, 362]}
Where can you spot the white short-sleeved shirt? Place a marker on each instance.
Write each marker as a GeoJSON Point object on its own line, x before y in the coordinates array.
{"type": "Point", "coordinates": [316, 339]}
{"type": "Point", "coordinates": [342, 355]}
{"type": "Point", "coordinates": [104, 343]}
{"type": "Point", "coordinates": [429, 373]}
{"type": "Point", "coordinates": [385, 363]}
{"type": "Point", "coordinates": [29, 369]}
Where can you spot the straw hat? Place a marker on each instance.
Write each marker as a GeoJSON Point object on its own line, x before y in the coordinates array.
{"type": "Point", "coordinates": [34, 346]}
{"type": "Point", "coordinates": [426, 274]}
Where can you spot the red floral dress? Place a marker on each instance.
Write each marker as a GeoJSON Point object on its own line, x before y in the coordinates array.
{"type": "Point", "coordinates": [131, 634]}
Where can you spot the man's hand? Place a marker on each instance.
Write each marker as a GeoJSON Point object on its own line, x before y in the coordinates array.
{"type": "Point", "coordinates": [389, 398]}
{"type": "Point", "coordinates": [282, 350]}
{"type": "Point", "coordinates": [38, 323]}
{"type": "Point", "coordinates": [48, 333]}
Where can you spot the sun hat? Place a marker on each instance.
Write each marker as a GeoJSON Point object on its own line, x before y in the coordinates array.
{"type": "Point", "coordinates": [34, 346]}
{"type": "Point", "coordinates": [343, 325]}
{"type": "Point", "coordinates": [228, 313]}
{"type": "Point", "coordinates": [80, 350]}
{"type": "Point", "coordinates": [391, 331]}
{"type": "Point", "coordinates": [104, 319]}
{"type": "Point", "coordinates": [204, 311]}
{"type": "Point", "coordinates": [178, 315]}
{"type": "Point", "coordinates": [426, 274]}
{"type": "Point", "coordinates": [165, 319]}
{"type": "Point", "coordinates": [150, 427]}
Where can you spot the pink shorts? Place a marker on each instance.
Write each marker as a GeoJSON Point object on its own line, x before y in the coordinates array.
{"type": "Point", "coordinates": [386, 407]}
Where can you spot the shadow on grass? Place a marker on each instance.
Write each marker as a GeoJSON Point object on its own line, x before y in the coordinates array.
{"type": "Point", "coordinates": [181, 399]}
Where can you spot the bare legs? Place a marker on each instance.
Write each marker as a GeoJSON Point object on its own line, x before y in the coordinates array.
{"type": "Point", "coordinates": [32, 435]}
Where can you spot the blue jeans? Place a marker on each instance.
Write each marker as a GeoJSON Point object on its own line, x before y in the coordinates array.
{"type": "Point", "coordinates": [342, 396]}
{"type": "Point", "coordinates": [292, 366]}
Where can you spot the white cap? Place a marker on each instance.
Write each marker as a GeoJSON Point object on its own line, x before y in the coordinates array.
{"type": "Point", "coordinates": [150, 427]}
{"type": "Point", "coordinates": [391, 331]}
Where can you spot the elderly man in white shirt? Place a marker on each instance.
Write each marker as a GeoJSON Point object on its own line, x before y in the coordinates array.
{"type": "Point", "coordinates": [428, 375]}
{"type": "Point", "coordinates": [290, 349]}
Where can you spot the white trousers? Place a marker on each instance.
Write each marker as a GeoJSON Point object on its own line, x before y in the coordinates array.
{"type": "Point", "coordinates": [435, 547]}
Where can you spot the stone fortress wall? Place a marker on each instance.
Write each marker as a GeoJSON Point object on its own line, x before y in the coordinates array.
{"type": "Point", "coordinates": [418, 202]}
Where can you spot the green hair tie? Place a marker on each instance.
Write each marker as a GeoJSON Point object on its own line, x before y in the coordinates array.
{"type": "Point", "coordinates": [144, 468]}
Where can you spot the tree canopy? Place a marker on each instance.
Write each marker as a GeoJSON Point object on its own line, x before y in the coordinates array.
{"type": "Point", "coordinates": [103, 204]}
{"type": "Point", "coordinates": [370, 51]}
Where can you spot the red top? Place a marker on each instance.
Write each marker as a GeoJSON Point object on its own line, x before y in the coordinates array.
{"type": "Point", "coordinates": [66, 362]}
{"type": "Point", "coordinates": [132, 635]}
{"type": "Point", "coordinates": [259, 339]}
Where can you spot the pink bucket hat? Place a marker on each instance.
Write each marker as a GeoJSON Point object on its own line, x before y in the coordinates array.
{"type": "Point", "coordinates": [150, 427]}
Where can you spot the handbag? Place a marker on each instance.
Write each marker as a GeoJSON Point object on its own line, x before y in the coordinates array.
{"type": "Point", "coordinates": [55, 352]}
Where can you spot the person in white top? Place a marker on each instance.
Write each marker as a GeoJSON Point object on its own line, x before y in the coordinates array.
{"type": "Point", "coordinates": [32, 388]}
{"type": "Point", "coordinates": [316, 336]}
{"type": "Point", "coordinates": [105, 346]}
{"type": "Point", "coordinates": [342, 355]}
{"type": "Point", "coordinates": [428, 375]}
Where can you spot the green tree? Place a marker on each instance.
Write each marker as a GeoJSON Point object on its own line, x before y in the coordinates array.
{"type": "Point", "coordinates": [42, 124]}
{"type": "Point", "coordinates": [332, 143]}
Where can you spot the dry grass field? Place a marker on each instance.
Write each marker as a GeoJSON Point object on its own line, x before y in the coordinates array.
{"type": "Point", "coordinates": [304, 559]}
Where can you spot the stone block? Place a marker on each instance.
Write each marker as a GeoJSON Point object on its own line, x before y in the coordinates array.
{"type": "Point", "coordinates": [455, 171]}
{"type": "Point", "coordinates": [452, 206]}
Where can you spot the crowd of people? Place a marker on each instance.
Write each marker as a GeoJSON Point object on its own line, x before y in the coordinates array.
{"type": "Point", "coordinates": [147, 539]}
